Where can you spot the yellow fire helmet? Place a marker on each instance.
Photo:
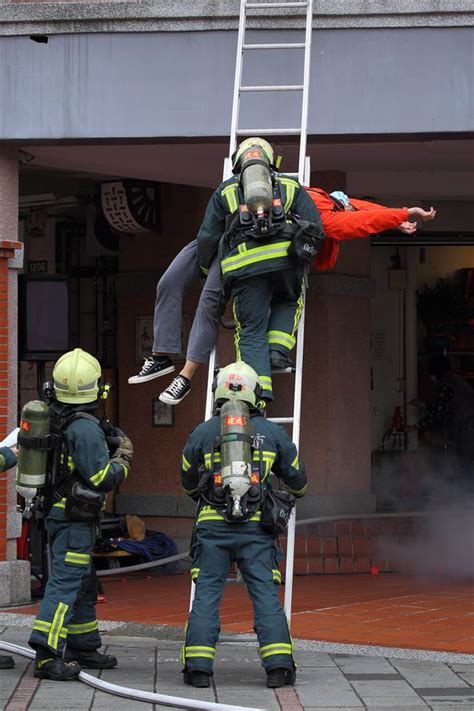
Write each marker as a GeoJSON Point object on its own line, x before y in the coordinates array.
{"type": "Point", "coordinates": [76, 377]}
{"type": "Point", "coordinates": [248, 143]}
{"type": "Point", "coordinates": [237, 381]}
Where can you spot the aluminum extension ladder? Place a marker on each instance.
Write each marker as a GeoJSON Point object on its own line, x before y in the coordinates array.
{"type": "Point", "coordinates": [303, 175]}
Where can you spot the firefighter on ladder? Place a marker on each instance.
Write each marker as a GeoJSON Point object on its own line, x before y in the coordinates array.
{"type": "Point", "coordinates": [252, 219]}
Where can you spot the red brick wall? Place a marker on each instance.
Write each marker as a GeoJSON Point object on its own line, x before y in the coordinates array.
{"type": "Point", "coordinates": [5, 254]}
{"type": "Point", "coordinates": [377, 545]}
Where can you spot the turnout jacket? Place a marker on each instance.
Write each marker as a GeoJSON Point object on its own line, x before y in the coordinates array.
{"type": "Point", "coordinates": [279, 455]}
{"type": "Point", "coordinates": [88, 457]}
{"type": "Point", "coordinates": [340, 225]}
{"type": "Point", "coordinates": [254, 256]}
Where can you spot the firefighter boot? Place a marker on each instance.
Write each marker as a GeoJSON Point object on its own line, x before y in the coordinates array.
{"type": "Point", "coordinates": [90, 658]}
{"type": "Point", "coordinates": [54, 668]}
{"type": "Point", "coordinates": [281, 676]}
{"type": "Point", "coordinates": [280, 361]}
{"type": "Point", "coordinates": [200, 679]}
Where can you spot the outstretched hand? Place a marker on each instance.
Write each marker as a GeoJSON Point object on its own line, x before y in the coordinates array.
{"type": "Point", "coordinates": [419, 214]}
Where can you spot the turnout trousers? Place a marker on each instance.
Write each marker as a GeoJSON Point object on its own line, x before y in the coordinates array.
{"type": "Point", "coordinates": [217, 545]}
{"type": "Point", "coordinates": [67, 611]}
{"type": "Point", "coordinates": [267, 310]}
{"type": "Point", "coordinates": [182, 274]}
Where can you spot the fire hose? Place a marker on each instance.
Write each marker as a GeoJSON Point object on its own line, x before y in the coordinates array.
{"type": "Point", "coordinates": [175, 701]}
{"type": "Point", "coordinates": [135, 694]}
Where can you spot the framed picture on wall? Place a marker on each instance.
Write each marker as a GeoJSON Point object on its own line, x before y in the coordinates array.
{"type": "Point", "coordinates": [162, 415]}
{"type": "Point", "coordinates": [144, 338]}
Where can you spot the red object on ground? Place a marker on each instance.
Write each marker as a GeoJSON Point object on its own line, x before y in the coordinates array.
{"type": "Point", "coordinates": [23, 543]}
{"type": "Point", "coordinates": [101, 598]}
{"type": "Point", "coordinates": [374, 570]}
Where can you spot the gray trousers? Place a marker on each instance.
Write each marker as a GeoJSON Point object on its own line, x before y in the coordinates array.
{"type": "Point", "coordinates": [181, 275]}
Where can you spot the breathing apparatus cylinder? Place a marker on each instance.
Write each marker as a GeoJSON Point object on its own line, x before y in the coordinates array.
{"type": "Point", "coordinates": [32, 456]}
{"type": "Point", "coordinates": [256, 180]}
{"type": "Point", "coordinates": [236, 453]}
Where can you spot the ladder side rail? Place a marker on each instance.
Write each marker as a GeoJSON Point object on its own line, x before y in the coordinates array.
{"type": "Point", "coordinates": [290, 542]}
{"type": "Point", "coordinates": [237, 80]}
{"type": "Point", "coordinates": [305, 97]}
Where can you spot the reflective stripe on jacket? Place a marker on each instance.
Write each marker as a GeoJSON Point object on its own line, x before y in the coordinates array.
{"type": "Point", "coordinates": [252, 256]}
{"type": "Point", "coordinates": [278, 452]}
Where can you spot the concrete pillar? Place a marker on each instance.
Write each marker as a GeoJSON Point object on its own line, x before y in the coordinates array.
{"type": "Point", "coordinates": [14, 575]}
{"type": "Point", "coordinates": [335, 428]}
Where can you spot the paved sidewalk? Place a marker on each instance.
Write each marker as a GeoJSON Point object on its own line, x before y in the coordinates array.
{"type": "Point", "coordinates": [330, 676]}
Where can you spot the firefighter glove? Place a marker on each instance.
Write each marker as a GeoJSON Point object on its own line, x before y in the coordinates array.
{"type": "Point", "coordinates": [124, 452]}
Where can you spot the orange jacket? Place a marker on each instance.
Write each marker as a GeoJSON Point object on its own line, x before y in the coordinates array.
{"type": "Point", "coordinates": [340, 225]}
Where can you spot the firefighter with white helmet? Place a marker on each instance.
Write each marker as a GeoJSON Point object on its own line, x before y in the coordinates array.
{"type": "Point", "coordinates": [226, 466]}
{"type": "Point", "coordinates": [65, 632]}
{"type": "Point", "coordinates": [255, 219]}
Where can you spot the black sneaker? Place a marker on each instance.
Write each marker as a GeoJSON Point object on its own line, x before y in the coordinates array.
{"type": "Point", "coordinates": [153, 367]}
{"type": "Point", "coordinates": [56, 669]}
{"type": "Point", "coordinates": [90, 659]}
{"type": "Point", "coordinates": [176, 390]}
{"type": "Point", "coordinates": [280, 361]}
{"type": "Point", "coordinates": [281, 676]}
{"type": "Point", "coordinates": [200, 679]}
{"type": "Point", "coordinates": [6, 662]}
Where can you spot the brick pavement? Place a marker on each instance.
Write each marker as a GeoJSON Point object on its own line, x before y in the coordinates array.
{"type": "Point", "coordinates": [329, 677]}
{"type": "Point", "coordinates": [387, 609]}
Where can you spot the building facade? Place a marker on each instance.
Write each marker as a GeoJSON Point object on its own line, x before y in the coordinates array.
{"type": "Point", "coordinates": [140, 94]}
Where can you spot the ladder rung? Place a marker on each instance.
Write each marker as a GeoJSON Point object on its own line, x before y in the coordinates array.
{"type": "Point", "coordinates": [281, 420]}
{"type": "Point", "coordinates": [259, 5]}
{"type": "Point", "coordinates": [286, 45]}
{"type": "Point", "coordinates": [280, 87]}
{"type": "Point", "coordinates": [268, 132]}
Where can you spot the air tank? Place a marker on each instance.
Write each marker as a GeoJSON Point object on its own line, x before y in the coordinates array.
{"type": "Point", "coordinates": [236, 453]}
{"type": "Point", "coordinates": [32, 461]}
{"type": "Point", "coordinates": [256, 180]}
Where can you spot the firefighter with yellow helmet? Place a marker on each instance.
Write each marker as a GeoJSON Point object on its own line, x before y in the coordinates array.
{"type": "Point", "coordinates": [253, 219]}
{"type": "Point", "coordinates": [65, 632]}
{"type": "Point", "coordinates": [226, 465]}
